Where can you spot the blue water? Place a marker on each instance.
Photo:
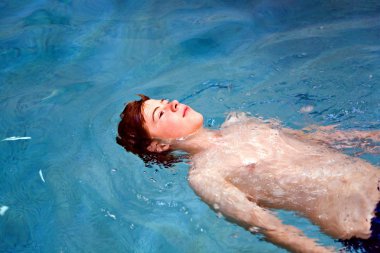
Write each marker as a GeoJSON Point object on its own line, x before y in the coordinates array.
{"type": "Point", "coordinates": [67, 67]}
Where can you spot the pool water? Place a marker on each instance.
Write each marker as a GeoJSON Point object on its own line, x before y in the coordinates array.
{"type": "Point", "coordinates": [67, 68]}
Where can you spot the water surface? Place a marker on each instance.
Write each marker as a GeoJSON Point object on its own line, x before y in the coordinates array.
{"type": "Point", "coordinates": [67, 67]}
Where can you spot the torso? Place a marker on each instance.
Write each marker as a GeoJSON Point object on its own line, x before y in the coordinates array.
{"type": "Point", "coordinates": [335, 191]}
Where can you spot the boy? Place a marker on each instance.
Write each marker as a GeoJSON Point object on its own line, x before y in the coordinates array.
{"type": "Point", "coordinates": [248, 166]}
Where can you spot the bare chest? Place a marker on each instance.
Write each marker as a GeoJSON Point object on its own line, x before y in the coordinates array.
{"type": "Point", "coordinates": [281, 172]}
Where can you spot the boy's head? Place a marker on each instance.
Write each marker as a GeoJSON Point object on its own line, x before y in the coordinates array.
{"type": "Point", "coordinates": [147, 125]}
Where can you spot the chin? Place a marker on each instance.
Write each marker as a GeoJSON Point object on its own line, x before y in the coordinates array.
{"type": "Point", "coordinates": [197, 119]}
{"type": "Point", "coordinates": [201, 120]}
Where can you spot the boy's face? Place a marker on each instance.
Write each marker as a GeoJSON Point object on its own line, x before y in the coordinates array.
{"type": "Point", "coordinates": [170, 120]}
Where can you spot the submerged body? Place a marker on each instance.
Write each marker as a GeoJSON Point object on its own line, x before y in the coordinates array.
{"type": "Point", "coordinates": [251, 166]}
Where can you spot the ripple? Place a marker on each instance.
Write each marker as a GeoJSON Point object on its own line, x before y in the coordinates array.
{"type": "Point", "coordinates": [45, 17]}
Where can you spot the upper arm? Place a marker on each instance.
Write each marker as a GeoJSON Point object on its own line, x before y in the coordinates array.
{"type": "Point", "coordinates": [339, 139]}
{"type": "Point", "coordinates": [226, 198]}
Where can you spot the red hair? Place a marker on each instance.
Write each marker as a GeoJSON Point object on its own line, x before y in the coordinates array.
{"type": "Point", "coordinates": [132, 134]}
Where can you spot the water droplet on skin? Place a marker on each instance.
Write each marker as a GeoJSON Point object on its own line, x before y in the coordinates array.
{"type": "Point", "coordinates": [216, 206]}
{"type": "Point", "coordinates": [253, 229]}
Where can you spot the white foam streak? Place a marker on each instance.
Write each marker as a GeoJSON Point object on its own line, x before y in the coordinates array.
{"type": "Point", "coordinates": [41, 176]}
{"type": "Point", "coordinates": [3, 209]}
{"type": "Point", "coordinates": [111, 215]}
{"type": "Point", "coordinates": [16, 138]}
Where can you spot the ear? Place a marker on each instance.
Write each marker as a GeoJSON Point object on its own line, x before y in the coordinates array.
{"type": "Point", "coordinates": [156, 146]}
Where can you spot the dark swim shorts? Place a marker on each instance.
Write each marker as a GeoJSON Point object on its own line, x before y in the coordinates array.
{"type": "Point", "coordinates": [367, 245]}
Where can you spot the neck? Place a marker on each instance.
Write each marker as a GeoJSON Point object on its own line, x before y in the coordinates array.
{"type": "Point", "coordinates": [196, 142]}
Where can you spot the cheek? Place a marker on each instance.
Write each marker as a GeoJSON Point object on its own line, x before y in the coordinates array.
{"type": "Point", "coordinates": [173, 126]}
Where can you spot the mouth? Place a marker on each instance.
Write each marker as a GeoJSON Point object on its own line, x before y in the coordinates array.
{"type": "Point", "coordinates": [184, 111]}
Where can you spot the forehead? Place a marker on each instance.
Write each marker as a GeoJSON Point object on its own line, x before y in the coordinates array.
{"type": "Point", "coordinates": [148, 108]}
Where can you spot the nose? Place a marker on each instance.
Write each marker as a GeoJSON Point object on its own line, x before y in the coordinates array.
{"type": "Point", "coordinates": [174, 105]}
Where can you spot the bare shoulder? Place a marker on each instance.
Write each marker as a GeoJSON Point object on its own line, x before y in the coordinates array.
{"type": "Point", "coordinates": [204, 181]}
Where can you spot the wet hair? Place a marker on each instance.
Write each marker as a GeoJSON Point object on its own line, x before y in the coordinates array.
{"type": "Point", "coordinates": [133, 136]}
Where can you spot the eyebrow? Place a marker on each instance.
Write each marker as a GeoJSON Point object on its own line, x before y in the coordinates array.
{"type": "Point", "coordinates": [155, 109]}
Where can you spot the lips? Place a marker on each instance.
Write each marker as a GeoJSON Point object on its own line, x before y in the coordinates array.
{"type": "Point", "coordinates": [184, 111]}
